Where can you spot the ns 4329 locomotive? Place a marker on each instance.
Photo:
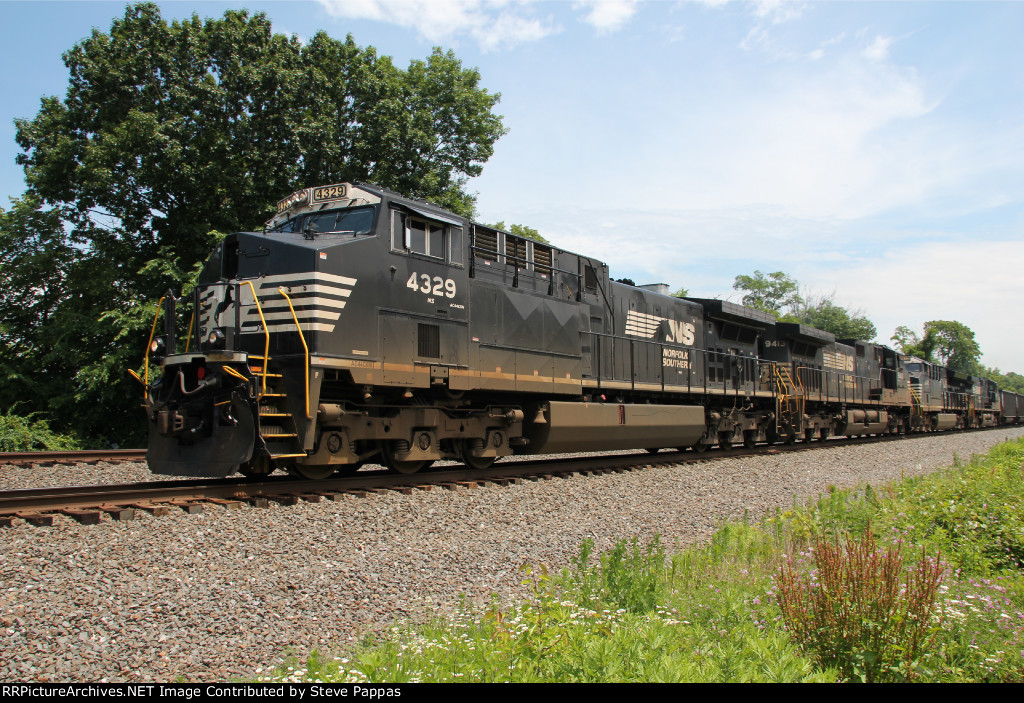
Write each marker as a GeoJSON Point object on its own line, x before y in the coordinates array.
{"type": "Point", "coordinates": [361, 326]}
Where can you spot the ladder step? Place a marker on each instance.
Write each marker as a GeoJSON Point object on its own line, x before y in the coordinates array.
{"type": "Point", "coordinates": [284, 456]}
{"type": "Point", "coordinates": [283, 434]}
{"type": "Point", "coordinates": [275, 414]}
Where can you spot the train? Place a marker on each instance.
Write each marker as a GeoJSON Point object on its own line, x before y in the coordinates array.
{"type": "Point", "coordinates": [363, 326]}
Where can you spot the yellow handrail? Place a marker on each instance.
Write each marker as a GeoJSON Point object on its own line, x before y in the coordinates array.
{"type": "Point", "coordinates": [227, 369]}
{"type": "Point", "coordinates": [152, 331]}
{"type": "Point", "coordinates": [188, 339]}
{"type": "Point", "coordinates": [304, 346]}
{"type": "Point", "coordinates": [266, 333]}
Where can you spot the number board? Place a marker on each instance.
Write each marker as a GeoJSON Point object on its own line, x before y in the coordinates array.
{"type": "Point", "coordinates": [296, 198]}
{"type": "Point", "coordinates": [334, 192]}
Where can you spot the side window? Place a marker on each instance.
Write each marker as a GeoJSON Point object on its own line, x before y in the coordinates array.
{"type": "Point", "coordinates": [589, 278]}
{"type": "Point", "coordinates": [456, 246]}
{"type": "Point", "coordinates": [397, 230]}
{"type": "Point", "coordinates": [416, 235]}
{"type": "Point", "coordinates": [411, 234]}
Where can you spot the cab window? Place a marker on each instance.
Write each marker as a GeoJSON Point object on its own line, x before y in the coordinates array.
{"type": "Point", "coordinates": [415, 235]}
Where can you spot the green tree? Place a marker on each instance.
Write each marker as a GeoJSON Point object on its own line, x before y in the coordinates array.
{"type": "Point", "coordinates": [770, 293]}
{"type": "Point", "coordinates": [822, 312]}
{"type": "Point", "coordinates": [681, 293]}
{"type": "Point", "coordinates": [906, 340]}
{"type": "Point", "coordinates": [955, 346]}
{"type": "Point", "coordinates": [172, 132]}
{"type": "Point", "coordinates": [521, 231]}
{"type": "Point", "coordinates": [946, 342]}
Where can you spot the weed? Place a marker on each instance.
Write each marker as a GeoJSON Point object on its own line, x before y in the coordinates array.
{"type": "Point", "coordinates": [859, 611]}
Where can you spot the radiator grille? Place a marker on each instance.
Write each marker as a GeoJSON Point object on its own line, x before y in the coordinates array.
{"type": "Point", "coordinates": [430, 341]}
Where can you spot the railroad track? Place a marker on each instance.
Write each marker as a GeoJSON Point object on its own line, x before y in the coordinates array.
{"type": "Point", "coordinates": [86, 456]}
{"type": "Point", "coordinates": [89, 504]}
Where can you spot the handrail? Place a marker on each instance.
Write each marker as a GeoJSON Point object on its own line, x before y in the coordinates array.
{"type": "Point", "coordinates": [188, 338]}
{"type": "Point", "coordinates": [266, 334]}
{"type": "Point", "coordinates": [302, 337]}
{"type": "Point", "coordinates": [152, 331]}
{"type": "Point", "coordinates": [230, 371]}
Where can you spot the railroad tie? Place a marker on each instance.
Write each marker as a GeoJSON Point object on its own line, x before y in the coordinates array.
{"type": "Point", "coordinates": [38, 519]}
{"type": "Point", "coordinates": [119, 512]}
{"type": "Point", "coordinates": [85, 517]}
{"type": "Point", "coordinates": [225, 503]}
{"type": "Point", "coordinates": [154, 509]}
{"type": "Point", "coordinates": [190, 507]}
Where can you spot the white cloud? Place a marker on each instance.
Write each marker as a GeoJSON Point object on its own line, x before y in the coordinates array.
{"type": "Point", "coordinates": [970, 282]}
{"type": "Point", "coordinates": [767, 14]}
{"type": "Point", "coordinates": [879, 49]}
{"type": "Point", "coordinates": [493, 24]}
{"type": "Point", "coordinates": [608, 15]}
{"type": "Point", "coordinates": [778, 11]}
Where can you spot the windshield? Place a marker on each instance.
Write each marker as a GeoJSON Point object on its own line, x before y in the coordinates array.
{"type": "Point", "coordinates": [355, 221]}
{"type": "Point", "coordinates": [344, 221]}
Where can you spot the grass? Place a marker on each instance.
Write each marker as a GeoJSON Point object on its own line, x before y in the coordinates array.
{"type": "Point", "coordinates": [920, 581]}
{"type": "Point", "coordinates": [27, 433]}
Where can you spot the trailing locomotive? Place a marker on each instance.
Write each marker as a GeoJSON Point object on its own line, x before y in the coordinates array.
{"type": "Point", "coordinates": [362, 325]}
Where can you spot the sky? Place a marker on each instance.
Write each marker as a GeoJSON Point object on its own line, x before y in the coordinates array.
{"type": "Point", "coordinates": [870, 150]}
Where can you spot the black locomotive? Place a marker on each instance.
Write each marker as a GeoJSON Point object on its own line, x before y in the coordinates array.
{"type": "Point", "coordinates": [363, 325]}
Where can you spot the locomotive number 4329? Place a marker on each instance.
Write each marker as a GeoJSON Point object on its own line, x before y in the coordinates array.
{"type": "Point", "coordinates": [423, 283]}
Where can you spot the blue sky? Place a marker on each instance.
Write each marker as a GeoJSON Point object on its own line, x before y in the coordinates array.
{"type": "Point", "coordinates": [873, 149]}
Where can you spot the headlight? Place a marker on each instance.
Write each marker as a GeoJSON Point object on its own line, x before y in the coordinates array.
{"type": "Point", "coordinates": [216, 339]}
{"type": "Point", "coordinates": [158, 347]}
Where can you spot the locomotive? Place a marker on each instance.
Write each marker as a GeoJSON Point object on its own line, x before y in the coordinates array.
{"type": "Point", "coordinates": [361, 325]}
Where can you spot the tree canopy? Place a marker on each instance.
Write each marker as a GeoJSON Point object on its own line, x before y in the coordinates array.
{"type": "Point", "coordinates": [778, 293]}
{"type": "Point", "coordinates": [946, 342]}
{"type": "Point", "coordinates": [823, 313]}
{"type": "Point", "coordinates": [172, 133]}
{"type": "Point", "coordinates": [770, 293]}
{"type": "Point", "coordinates": [521, 231]}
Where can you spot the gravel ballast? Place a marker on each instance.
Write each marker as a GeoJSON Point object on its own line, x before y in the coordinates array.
{"type": "Point", "coordinates": [219, 595]}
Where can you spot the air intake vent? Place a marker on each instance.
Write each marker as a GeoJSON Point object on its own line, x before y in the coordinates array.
{"type": "Point", "coordinates": [486, 244]}
{"type": "Point", "coordinates": [542, 258]}
{"type": "Point", "coordinates": [430, 341]}
{"type": "Point", "coordinates": [515, 251]}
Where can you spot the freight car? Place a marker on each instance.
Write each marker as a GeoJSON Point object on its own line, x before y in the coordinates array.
{"type": "Point", "coordinates": [362, 325]}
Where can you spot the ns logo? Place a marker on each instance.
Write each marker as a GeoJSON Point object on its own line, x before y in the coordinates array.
{"type": "Point", "coordinates": [680, 332]}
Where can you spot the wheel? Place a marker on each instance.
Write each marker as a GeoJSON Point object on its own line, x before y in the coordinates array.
{"type": "Point", "coordinates": [653, 450]}
{"type": "Point", "coordinates": [750, 439]}
{"type": "Point", "coordinates": [474, 462]}
{"type": "Point", "coordinates": [701, 446]}
{"type": "Point", "coordinates": [725, 441]}
{"type": "Point", "coordinates": [313, 472]}
{"type": "Point", "coordinates": [790, 438]}
{"type": "Point", "coordinates": [809, 434]}
{"type": "Point", "coordinates": [402, 467]}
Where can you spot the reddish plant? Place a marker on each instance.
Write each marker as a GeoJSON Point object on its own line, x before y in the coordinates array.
{"type": "Point", "coordinates": [860, 611]}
